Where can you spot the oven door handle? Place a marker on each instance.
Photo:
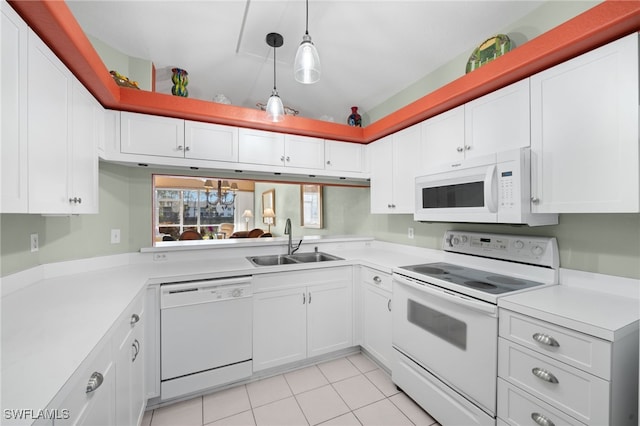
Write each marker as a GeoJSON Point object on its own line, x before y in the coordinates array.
{"type": "Point", "coordinates": [459, 299]}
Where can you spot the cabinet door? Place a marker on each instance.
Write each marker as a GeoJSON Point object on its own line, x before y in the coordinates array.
{"type": "Point", "coordinates": [151, 135]}
{"type": "Point", "coordinates": [303, 152]}
{"type": "Point", "coordinates": [329, 317]}
{"type": "Point", "coordinates": [207, 141]}
{"type": "Point", "coordinates": [100, 407]}
{"type": "Point", "coordinates": [343, 156]}
{"type": "Point", "coordinates": [48, 106]}
{"type": "Point", "coordinates": [584, 124]}
{"type": "Point", "coordinates": [130, 398]}
{"type": "Point", "coordinates": [406, 157]}
{"type": "Point", "coordinates": [499, 121]}
{"type": "Point", "coordinates": [279, 327]}
{"type": "Point", "coordinates": [83, 166]}
{"type": "Point", "coordinates": [443, 138]}
{"type": "Point", "coordinates": [381, 154]}
{"type": "Point", "coordinates": [259, 147]}
{"type": "Point", "coordinates": [376, 323]}
{"type": "Point", "coordinates": [13, 154]}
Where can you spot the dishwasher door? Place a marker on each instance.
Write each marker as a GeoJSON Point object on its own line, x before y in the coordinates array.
{"type": "Point", "coordinates": [204, 325]}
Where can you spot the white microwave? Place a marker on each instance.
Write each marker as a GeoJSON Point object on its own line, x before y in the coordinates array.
{"type": "Point", "coordinates": [494, 188]}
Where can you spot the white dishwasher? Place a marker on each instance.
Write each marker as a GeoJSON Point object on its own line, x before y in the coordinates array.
{"type": "Point", "coordinates": [205, 334]}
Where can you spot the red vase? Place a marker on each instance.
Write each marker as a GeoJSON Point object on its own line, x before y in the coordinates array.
{"type": "Point", "coordinates": [354, 119]}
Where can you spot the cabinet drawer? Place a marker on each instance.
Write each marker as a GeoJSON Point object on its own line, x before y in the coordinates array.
{"type": "Point", "coordinates": [516, 407]}
{"type": "Point", "coordinates": [83, 406]}
{"type": "Point", "coordinates": [131, 318]}
{"type": "Point", "coordinates": [375, 278]}
{"type": "Point", "coordinates": [579, 394]}
{"type": "Point", "coordinates": [577, 349]}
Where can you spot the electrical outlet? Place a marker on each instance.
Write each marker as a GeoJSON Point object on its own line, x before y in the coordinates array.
{"type": "Point", "coordinates": [34, 243]}
{"type": "Point", "coordinates": [160, 257]}
{"type": "Point", "coordinates": [410, 233]}
{"type": "Point", "coordinates": [115, 236]}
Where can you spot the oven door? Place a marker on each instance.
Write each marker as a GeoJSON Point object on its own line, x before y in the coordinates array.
{"type": "Point", "coordinates": [460, 192]}
{"type": "Point", "coordinates": [452, 336]}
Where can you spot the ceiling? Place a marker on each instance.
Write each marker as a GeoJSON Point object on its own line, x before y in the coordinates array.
{"type": "Point", "coordinates": [369, 50]}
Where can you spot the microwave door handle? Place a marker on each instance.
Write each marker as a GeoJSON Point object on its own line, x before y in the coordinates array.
{"type": "Point", "coordinates": [491, 189]}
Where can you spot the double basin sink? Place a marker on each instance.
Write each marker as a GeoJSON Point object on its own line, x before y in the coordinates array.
{"type": "Point", "coordinates": [296, 258]}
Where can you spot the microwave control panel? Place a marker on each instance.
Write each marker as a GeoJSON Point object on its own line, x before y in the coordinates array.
{"type": "Point", "coordinates": [508, 186]}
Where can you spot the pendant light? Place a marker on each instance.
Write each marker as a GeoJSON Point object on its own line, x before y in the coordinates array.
{"type": "Point", "coordinates": [306, 67]}
{"type": "Point", "coordinates": [275, 109]}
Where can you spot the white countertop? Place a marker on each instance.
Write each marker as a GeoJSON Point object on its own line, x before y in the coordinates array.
{"type": "Point", "coordinates": [50, 326]}
{"type": "Point", "coordinates": [604, 315]}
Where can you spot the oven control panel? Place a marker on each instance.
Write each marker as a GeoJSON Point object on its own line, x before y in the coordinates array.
{"type": "Point", "coordinates": [519, 248]}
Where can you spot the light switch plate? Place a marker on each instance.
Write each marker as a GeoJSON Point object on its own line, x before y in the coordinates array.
{"type": "Point", "coordinates": [410, 233]}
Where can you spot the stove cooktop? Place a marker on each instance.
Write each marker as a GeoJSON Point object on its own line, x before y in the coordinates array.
{"type": "Point", "coordinates": [487, 282]}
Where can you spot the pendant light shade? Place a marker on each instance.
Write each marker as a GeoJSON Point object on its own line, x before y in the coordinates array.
{"type": "Point", "coordinates": [275, 108]}
{"type": "Point", "coordinates": [306, 67]}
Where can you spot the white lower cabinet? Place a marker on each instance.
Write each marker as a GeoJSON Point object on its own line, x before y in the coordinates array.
{"type": "Point", "coordinates": [301, 314]}
{"type": "Point", "coordinates": [130, 356]}
{"type": "Point", "coordinates": [375, 293]}
{"type": "Point", "coordinates": [108, 387]}
{"type": "Point", "coordinates": [550, 374]}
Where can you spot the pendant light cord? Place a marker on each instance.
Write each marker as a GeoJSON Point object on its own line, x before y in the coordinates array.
{"type": "Point", "coordinates": [274, 69]}
{"type": "Point", "coordinates": [306, 30]}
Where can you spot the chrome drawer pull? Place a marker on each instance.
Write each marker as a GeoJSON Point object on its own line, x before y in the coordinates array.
{"type": "Point", "coordinates": [389, 305]}
{"type": "Point", "coordinates": [545, 339]}
{"type": "Point", "coordinates": [377, 280]}
{"type": "Point", "coordinates": [542, 420]}
{"type": "Point", "coordinates": [95, 381]}
{"type": "Point", "coordinates": [134, 319]}
{"type": "Point", "coordinates": [543, 374]}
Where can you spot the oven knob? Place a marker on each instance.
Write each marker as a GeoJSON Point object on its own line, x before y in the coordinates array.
{"type": "Point", "coordinates": [537, 250]}
{"type": "Point", "coordinates": [518, 244]}
{"type": "Point", "coordinates": [465, 239]}
{"type": "Point", "coordinates": [236, 293]}
{"type": "Point", "coordinates": [455, 241]}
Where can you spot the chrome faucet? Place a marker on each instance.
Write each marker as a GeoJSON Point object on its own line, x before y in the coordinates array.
{"type": "Point", "coordinates": [287, 231]}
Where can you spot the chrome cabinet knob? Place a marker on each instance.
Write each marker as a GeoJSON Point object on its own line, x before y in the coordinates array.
{"type": "Point", "coordinates": [94, 382]}
{"type": "Point", "coordinates": [187, 148]}
{"type": "Point", "coordinates": [545, 375]}
{"type": "Point", "coordinates": [542, 420]}
{"type": "Point", "coordinates": [282, 158]}
{"type": "Point", "coordinates": [288, 158]}
{"type": "Point", "coordinates": [467, 147]}
{"type": "Point", "coordinates": [180, 148]}
{"type": "Point", "coordinates": [459, 149]}
{"type": "Point", "coordinates": [328, 162]}
{"type": "Point", "coordinates": [534, 200]}
{"type": "Point", "coordinates": [377, 279]}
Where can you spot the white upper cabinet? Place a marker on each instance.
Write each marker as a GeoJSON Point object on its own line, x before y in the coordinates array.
{"type": "Point", "coordinates": [62, 137]}
{"type": "Point", "coordinates": [151, 135]}
{"type": "Point", "coordinates": [277, 149]}
{"type": "Point", "coordinates": [394, 164]}
{"type": "Point", "coordinates": [207, 141]}
{"type": "Point", "coordinates": [499, 121]}
{"type": "Point", "coordinates": [303, 152]}
{"type": "Point", "coordinates": [443, 138]}
{"type": "Point", "coordinates": [13, 154]}
{"type": "Point", "coordinates": [260, 147]}
{"type": "Point", "coordinates": [343, 156]}
{"type": "Point", "coordinates": [584, 140]}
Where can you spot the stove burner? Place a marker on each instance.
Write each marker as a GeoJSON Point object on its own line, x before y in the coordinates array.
{"type": "Point", "coordinates": [480, 285]}
{"type": "Point", "coordinates": [429, 270]}
{"type": "Point", "coordinates": [505, 280]}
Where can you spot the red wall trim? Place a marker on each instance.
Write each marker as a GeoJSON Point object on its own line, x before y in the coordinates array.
{"type": "Point", "coordinates": [605, 22]}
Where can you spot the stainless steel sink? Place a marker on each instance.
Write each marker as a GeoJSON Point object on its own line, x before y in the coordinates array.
{"type": "Point", "coordinates": [314, 257]}
{"type": "Point", "coordinates": [276, 259]}
{"type": "Point", "coordinates": [284, 259]}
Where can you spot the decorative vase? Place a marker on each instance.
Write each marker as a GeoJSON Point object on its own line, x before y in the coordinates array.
{"type": "Point", "coordinates": [180, 79]}
{"type": "Point", "coordinates": [354, 119]}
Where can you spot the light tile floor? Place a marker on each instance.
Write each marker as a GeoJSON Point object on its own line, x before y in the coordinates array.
{"type": "Point", "coordinates": [343, 392]}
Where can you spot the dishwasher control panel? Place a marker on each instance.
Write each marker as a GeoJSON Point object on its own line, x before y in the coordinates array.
{"type": "Point", "coordinates": [194, 292]}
